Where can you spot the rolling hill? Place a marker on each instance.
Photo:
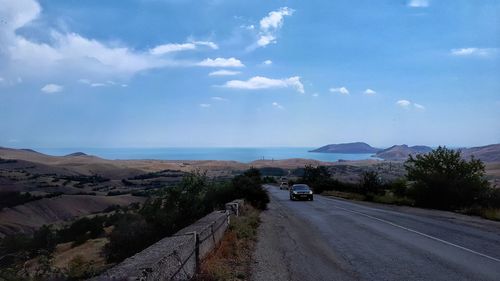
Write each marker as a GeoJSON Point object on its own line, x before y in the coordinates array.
{"type": "Point", "coordinates": [353, 147]}
{"type": "Point", "coordinates": [401, 152]}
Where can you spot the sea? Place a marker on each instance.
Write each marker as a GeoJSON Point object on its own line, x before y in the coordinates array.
{"type": "Point", "coordinates": [245, 155]}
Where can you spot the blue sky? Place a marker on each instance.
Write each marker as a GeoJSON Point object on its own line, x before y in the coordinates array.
{"type": "Point", "coordinates": [158, 73]}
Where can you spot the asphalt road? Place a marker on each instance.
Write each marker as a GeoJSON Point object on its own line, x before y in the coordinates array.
{"type": "Point", "coordinates": [331, 239]}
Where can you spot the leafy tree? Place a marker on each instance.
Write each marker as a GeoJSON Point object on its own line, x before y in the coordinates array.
{"type": "Point", "coordinates": [44, 239]}
{"type": "Point", "coordinates": [370, 183]}
{"type": "Point", "coordinates": [249, 187]}
{"type": "Point", "coordinates": [320, 179]}
{"type": "Point", "coordinates": [399, 187]}
{"type": "Point", "coordinates": [442, 179]}
{"type": "Point", "coordinates": [130, 235]}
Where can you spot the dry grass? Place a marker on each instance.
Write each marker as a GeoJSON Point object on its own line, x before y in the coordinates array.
{"type": "Point", "coordinates": [91, 250]}
{"type": "Point", "coordinates": [344, 195]}
{"type": "Point", "coordinates": [232, 259]}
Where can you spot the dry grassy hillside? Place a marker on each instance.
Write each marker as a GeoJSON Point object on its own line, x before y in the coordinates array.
{"type": "Point", "coordinates": [30, 216]}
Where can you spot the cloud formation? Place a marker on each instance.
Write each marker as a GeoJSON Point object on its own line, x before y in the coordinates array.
{"type": "Point", "coordinates": [219, 99]}
{"type": "Point", "coordinates": [407, 104]}
{"type": "Point", "coordinates": [418, 3]}
{"type": "Point", "coordinates": [224, 72]}
{"type": "Point", "coordinates": [268, 62]}
{"type": "Point", "coordinates": [271, 24]}
{"type": "Point", "coordinates": [419, 106]}
{"type": "Point", "coordinates": [277, 105]}
{"type": "Point", "coordinates": [68, 53]}
{"type": "Point", "coordinates": [341, 90]}
{"type": "Point", "coordinates": [403, 103]}
{"type": "Point", "coordinates": [474, 52]}
{"type": "Point", "coordinates": [51, 88]}
{"type": "Point", "coordinates": [205, 105]}
{"type": "Point", "coordinates": [221, 62]}
{"type": "Point", "coordinates": [171, 47]}
{"type": "Point", "coordinates": [175, 47]}
{"type": "Point", "coordinates": [259, 82]}
{"type": "Point", "coordinates": [369, 92]}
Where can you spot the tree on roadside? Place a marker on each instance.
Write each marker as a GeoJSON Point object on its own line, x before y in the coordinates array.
{"type": "Point", "coordinates": [370, 183]}
{"type": "Point", "coordinates": [444, 180]}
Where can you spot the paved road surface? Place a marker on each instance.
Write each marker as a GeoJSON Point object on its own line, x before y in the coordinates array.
{"type": "Point", "coordinates": [330, 239]}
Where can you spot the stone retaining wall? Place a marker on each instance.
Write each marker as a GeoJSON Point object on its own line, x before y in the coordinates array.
{"type": "Point", "coordinates": [176, 257]}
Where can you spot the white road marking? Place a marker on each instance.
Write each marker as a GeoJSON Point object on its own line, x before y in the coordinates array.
{"type": "Point", "coordinates": [422, 234]}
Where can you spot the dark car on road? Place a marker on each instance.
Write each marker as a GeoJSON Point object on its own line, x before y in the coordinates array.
{"type": "Point", "coordinates": [301, 192]}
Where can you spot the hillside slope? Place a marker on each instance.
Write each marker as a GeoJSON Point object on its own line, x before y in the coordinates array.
{"type": "Point", "coordinates": [353, 147]}
{"type": "Point", "coordinates": [488, 153]}
{"type": "Point", "coordinates": [30, 216]}
{"type": "Point", "coordinates": [401, 152]}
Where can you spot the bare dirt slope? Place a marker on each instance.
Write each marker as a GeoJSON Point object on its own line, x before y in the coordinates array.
{"type": "Point", "coordinates": [30, 216]}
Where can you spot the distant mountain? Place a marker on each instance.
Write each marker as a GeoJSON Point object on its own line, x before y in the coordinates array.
{"type": "Point", "coordinates": [488, 153]}
{"type": "Point", "coordinates": [353, 147]}
{"type": "Point", "coordinates": [401, 152]}
{"type": "Point", "coordinates": [76, 154]}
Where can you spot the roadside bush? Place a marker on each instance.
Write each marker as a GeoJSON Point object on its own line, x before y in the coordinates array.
{"type": "Point", "coordinates": [443, 180]}
{"type": "Point", "coordinates": [81, 230]}
{"type": "Point", "coordinates": [249, 187]}
{"type": "Point", "coordinates": [320, 180]}
{"type": "Point", "coordinates": [268, 179]}
{"type": "Point", "coordinates": [371, 184]}
{"type": "Point", "coordinates": [177, 207]}
{"type": "Point", "coordinates": [130, 235]}
{"type": "Point", "coordinates": [399, 187]}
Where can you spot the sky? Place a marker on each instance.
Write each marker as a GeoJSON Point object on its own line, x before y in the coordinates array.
{"type": "Point", "coordinates": [234, 73]}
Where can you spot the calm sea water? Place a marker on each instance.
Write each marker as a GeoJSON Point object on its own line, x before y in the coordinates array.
{"type": "Point", "coordinates": [236, 154]}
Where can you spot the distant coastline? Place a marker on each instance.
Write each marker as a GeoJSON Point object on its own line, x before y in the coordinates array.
{"type": "Point", "coordinates": [244, 155]}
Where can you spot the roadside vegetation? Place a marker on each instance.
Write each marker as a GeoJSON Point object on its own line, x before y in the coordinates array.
{"type": "Point", "coordinates": [121, 232]}
{"type": "Point", "coordinates": [441, 179]}
{"type": "Point", "coordinates": [232, 259]}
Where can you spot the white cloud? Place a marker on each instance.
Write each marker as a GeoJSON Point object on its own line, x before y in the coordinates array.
{"type": "Point", "coordinates": [369, 92]}
{"type": "Point", "coordinates": [100, 84]}
{"type": "Point", "coordinates": [274, 20]}
{"type": "Point", "coordinates": [265, 40]}
{"type": "Point", "coordinates": [71, 55]}
{"type": "Point", "coordinates": [259, 82]}
{"type": "Point", "coordinates": [277, 105]}
{"type": "Point", "coordinates": [205, 105]}
{"type": "Point", "coordinates": [418, 3]}
{"type": "Point", "coordinates": [1, 80]}
{"type": "Point", "coordinates": [51, 88]}
{"type": "Point", "coordinates": [408, 104]}
{"type": "Point", "coordinates": [176, 47]}
{"type": "Point", "coordinates": [219, 99]}
{"type": "Point", "coordinates": [403, 103]}
{"type": "Point", "coordinates": [268, 62]}
{"type": "Point", "coordinates": [171, 47]}
{"type": "Point", "coordinates": [478, 52]}
{"type": "Point", "coordinates": [206, 43]}
{"type": "Point", "coordinates": [270, 24]}
{"type": "Point", "coordinates": [221, 62]}
{"type": "Point", "coordinates": [419, 106]}
{"type": "Point", "coordinates": [341, 90]}
{"type": "Point", "coordinates": [224, 72]}
{"type": "Point", "coordinates": [315, 95]}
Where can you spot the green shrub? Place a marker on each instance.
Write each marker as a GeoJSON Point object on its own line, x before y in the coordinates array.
{"type": "Point", "coordinates": [371, 184]}
{"type": "Point", "coordinates": [443, 180]}
{"type": "Point", "coordinates": [130, 235]}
